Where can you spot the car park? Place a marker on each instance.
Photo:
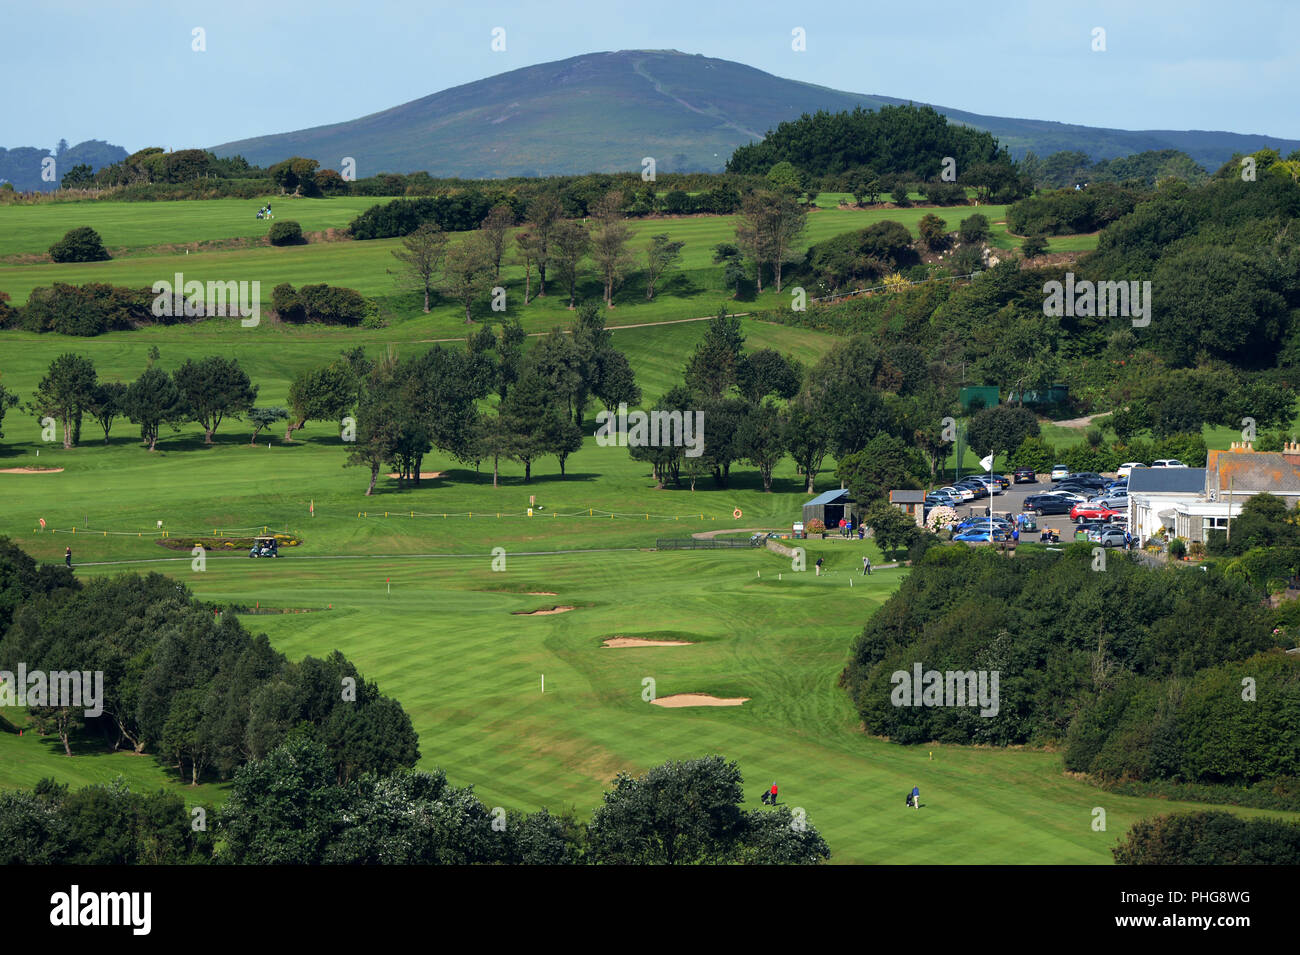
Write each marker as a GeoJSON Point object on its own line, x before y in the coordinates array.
{"type": "Point", "coordinates": [1025, 476]}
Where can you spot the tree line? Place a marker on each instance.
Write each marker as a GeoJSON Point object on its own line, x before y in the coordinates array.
{"type": "Point", "coordinates": [185, 683]}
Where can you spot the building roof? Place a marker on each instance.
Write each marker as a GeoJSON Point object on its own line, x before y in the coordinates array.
{"type": "Point", "coordinates": [1166, 481]}
{"type": "Point", "coordinates": [906, 497]}
{"type": "Point", "coordinates": [1249, 472]}
{"type": "Point", "coordinates": [830, 497]}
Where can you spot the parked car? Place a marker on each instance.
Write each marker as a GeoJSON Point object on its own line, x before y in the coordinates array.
{"type": "Point", "coordinates": [1025, 476]}
{"type": "Point", "coordinates": [1070, 495]}
{"type": "Point", "coordinates": [1168, 463]}
{"type": "Point", "coordinates": [1080, 511]}
{"type": "Point", "coordinates": [1111, 536]}
{"type": "Point", "coordinates": [1048, 504]}
{"type": "Point", "coordinates": [982, 535]}
{"type": "Point", "coordinates": [976, 488]}
{"type": "Point", "coordinates": [1002, 479]}
{"type": "Point", "coordinates": [1126, 468]}
{"type": "Point", "coordinates": [1116, 502]}
{"type": "Point", "coordinates": [961, 493]}
{"type": "Point", "coordinates": [1059, 472]}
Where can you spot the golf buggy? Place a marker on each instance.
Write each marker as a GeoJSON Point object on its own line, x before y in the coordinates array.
{"type": "Point", "coordinates": [265, 547]}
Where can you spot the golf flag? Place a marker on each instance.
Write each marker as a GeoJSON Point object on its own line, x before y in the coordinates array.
{"type": "Point", "coordinates": [987, 463]}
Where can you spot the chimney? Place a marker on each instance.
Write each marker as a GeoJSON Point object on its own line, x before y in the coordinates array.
{"type": "Point", "coordinates": [1241, 447]}
{"type": "Point", "coordinates": [1291, 452]}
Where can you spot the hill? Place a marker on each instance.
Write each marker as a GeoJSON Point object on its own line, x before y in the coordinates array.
{"type": "Point", "coordinates": [22, 164]}
{"type": "Point", "coordinates": [603, 112]}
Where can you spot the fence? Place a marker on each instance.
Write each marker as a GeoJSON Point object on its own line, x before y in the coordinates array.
{"type": "Point", "coordinates": [706, 543]}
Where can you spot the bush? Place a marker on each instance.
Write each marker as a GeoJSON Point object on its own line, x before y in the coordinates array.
{"type": "Point", "coordinates": [944, 193]}
{"type": "Point", "coordinates": [328, 304]}
{"type": "Point", "coordinates": [974, 228]}
{"type": "Point", "coordinates": [1033, 245]}
{"type": "Point", "coordinates": [82, 244]}
{"type": "Point", "coordinates": [1033, 453]}
{"type": "Point", "coordinates": [1177, 548]}
{"type": "Point", "coordinates": [1209, 838]}
{"type": "Point", "coordinates": [287, 232]}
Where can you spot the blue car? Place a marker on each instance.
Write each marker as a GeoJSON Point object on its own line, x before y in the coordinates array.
{"type": "Point", "coordinates": [981, 534]}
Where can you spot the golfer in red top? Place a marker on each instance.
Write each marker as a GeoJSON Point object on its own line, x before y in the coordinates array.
{"type": "Point", "coordinates": [772, 794]}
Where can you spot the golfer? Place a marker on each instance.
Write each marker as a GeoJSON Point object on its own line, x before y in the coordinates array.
{"type": "Point", "coordinates": [771, 795]}
{"type": "Point", "coordinates": [67, 556]}
{"type": "Point", "coordinates": [866, 566]}
{"type": "Point", "coordinates": [819, 566]}
{"type": "Point", "coordinates": [916, 797]}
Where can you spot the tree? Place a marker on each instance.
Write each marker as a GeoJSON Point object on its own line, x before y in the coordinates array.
{"type": "Point", "coordinates": [933, 231]}
{"type": "Point", "coordinates": [784, 178]}
{"type": "Point", "coordinates": [153, 400]}
{"type": "Point", "coordinates": [806, 437]}
{"type": "Point", "coordinates": [768, 227]}
{"type": "Point", "coordinates": [767, 372]}
{"type": "Point", "coordinates": [1033, 246]}
{"type": "Point", "coordinates": [421, 255]}
{"type": "Point", "coordinates": [214, 387]}
{"type": "Point", "coordinates": [571, 243]}
{"type": "Point", "coordinates": [106, 404]}
{"type": "Point", "coordinates": [974, 229]}
{"type": "Point", "coordinates": [66, 391]}
{"type": "Point", "coordinates": [590, 340]}
{"type": "Point", "coordinates": [496, 229]}
{"type": "Point", "coordinates": [468, 271]}
{"type": "Point", "coordinates": [762, 440]}
{"type": "Point", "coordinates": [7, 400]}
{"type": "Point", "coordinates": [714, 366]}
{"type": "Point", "coordinates": [526, 255]}
{"type": "Point", "coordinates": [609, 242]}
{"type": "Point", "coordinates": [688, 813]}
{"type": "Point", "coordinates": [82, 244]}
{"type": "Point", "coordinates": [80, 176]}
{"type": "Point", "coordinates": [732, 260]}
{"type": "Point", "coordinates": [544, 217]}
{"type": "Point", "coordinates": [323, 394]}
{"type": "Point", "coordinates": [661, 254]}
{"type": "Point", "coordinates": [886, 463]}
{"type": "Point", "coordinates": [534, 419]}
{"type": "Point", "coordinates": [265, 417]}
{"type": "Point", "coordinates": [1000, 429]}
{"type": "Point", "coordinates": [296, 173]}
{"type": "Point", "coordinates": [891, 528]}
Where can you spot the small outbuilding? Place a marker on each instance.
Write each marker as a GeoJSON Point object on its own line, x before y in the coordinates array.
{"type": "Point", "coordinates": [830, 507]}
{"type": "Point", "coordinates": [911, 503]}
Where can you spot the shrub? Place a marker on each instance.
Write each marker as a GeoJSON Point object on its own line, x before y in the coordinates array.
{"type": "Point", "coordinates": [286, 232]}
{"type": "Point", "coordinates": [1177, 548]}
{"type": "Point", "coordinates": [974, 228]}
{"type": "Point", "coordinates": [82, 244]}
{"type": "Point", "coordinates": [1035, 453]}
{"type": "Point", "coordinates": [1033, 245]}
{"type": "Point", "coordinates": [328, 304]}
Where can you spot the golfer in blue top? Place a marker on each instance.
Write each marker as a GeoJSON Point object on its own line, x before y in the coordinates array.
{"type": "Point", "coordinates": [916, 797]}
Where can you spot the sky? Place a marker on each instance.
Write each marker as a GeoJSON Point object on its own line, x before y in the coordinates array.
{"type": "Point", "coordinates": [128, 72]}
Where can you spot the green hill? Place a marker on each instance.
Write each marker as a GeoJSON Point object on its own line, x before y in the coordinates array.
{"type": "Point", "coordinates": [603, 112]}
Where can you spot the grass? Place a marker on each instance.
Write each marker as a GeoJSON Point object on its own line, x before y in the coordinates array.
{"type": "Point", "coordinates": [447, 645]}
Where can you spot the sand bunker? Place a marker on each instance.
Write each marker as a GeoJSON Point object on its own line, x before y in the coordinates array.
{"type": "Point", "coordinates": [640, 642]}
{"type": "Point", "coordinates": [542, 613]}
{"type": "Point", "coordinates": [698, 699]}
{"type": "Point", "coordinates": [424, 475]}
{"type": "Point", "coordinates": [30, 470]}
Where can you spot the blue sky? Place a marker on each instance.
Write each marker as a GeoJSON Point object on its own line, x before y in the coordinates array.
{"type": "Point", "coordinates": [126, 71]}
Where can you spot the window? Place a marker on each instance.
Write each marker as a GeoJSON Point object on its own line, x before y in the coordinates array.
{"type": "Point", "coordinates": [1214, 523]}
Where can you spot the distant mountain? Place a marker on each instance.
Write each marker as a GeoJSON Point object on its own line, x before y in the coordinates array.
{"type": "Point", "coordinates": [603, 112]}
{"type": "Point", "coordinates": [22, 165]}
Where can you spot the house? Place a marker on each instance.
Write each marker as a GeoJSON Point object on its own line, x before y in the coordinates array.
{"type": "Point", "coordinates": [829, 507]}
{"type": "Point", "coordinates": [1154, 495]}
{"type": "Point", "coordinates": [910, 502]}
{"type": "Point", "coordinates": [1191, 502]}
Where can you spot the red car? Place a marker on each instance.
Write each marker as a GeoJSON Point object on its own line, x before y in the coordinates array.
{"type": "Point", "coordinates": [1081, 511]}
